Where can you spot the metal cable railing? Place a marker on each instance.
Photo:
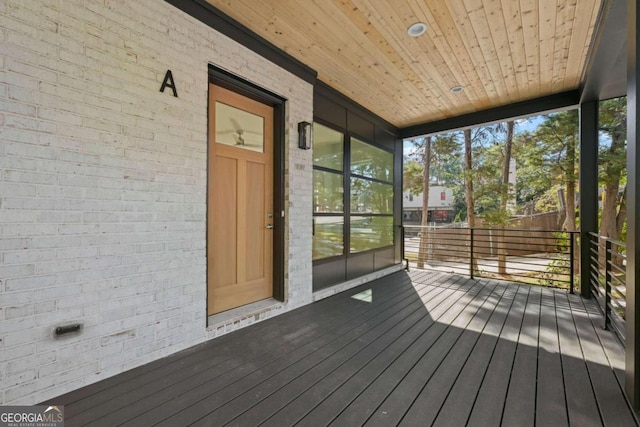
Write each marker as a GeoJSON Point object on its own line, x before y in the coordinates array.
{"type": "Point", "coordinates": [607, 277]}
{"type": "Point", "coordinates": [540, 257]}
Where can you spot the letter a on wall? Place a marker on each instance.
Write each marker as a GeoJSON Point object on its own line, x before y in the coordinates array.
{"type": "Point", "coordinates": [168, 82]}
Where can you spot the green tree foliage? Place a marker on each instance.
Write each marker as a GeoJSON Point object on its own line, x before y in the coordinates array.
{"type": "Point", "coordinates": [533, 181]}
{"type": "Point", "coordinates": [448, 167]}
{"type": "Point", "coordinates": [417, 175]}
{"type": "Point", "coordinates": [612, 165]}
{"type": "Point", "coordinates": [547, 170]}
{"type": "Point", "coordinates": [446, 163]}
{"type": "Point", "coordinates": [488, 145]}
{"type": "Point", "coordinates": [487, 179]}
{"type": "Point", "coordinates": [547, 158]}
{"type": "Point", "coordinates": [446, 158]}
{"type": "Point", "coordinates": [412, 176]}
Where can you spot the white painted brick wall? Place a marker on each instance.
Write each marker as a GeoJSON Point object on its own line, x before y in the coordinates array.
{"type": "Point", "coordinates": [103, 186]}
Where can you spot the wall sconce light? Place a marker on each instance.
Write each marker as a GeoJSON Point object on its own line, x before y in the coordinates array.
{"type": "Point", "coordinates": [304, 135]}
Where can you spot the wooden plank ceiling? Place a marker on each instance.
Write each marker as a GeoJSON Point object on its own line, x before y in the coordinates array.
{"type": "Point", "coordinates": [499, 51]}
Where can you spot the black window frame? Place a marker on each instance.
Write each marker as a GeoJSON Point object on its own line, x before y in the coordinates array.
{"type": "Point", "coordinates": [347, 176]}
{"type": "Point", "coordinates": [345, 199]}
{"type": "Point", "coordinates": [347, 167]}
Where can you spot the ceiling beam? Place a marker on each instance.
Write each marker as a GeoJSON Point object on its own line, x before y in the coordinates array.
{"type": "Point", "coordinates": [546, 104]}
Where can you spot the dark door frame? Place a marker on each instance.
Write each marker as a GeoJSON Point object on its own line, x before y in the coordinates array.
{"type": "Point", "coordinates": [227, 80]}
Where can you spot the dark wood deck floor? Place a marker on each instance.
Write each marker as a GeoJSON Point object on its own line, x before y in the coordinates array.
{"type": "Point", "coordinates": [414, 349]}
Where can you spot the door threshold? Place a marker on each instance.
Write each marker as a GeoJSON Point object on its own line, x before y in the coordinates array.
{"type": "Point", "coordinates": [244, 315]}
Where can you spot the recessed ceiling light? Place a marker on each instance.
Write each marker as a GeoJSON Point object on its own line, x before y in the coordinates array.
{"type": "Point", "coordinates": [456, 89]}
{"type": "Point", "coordinates": [417, 29]}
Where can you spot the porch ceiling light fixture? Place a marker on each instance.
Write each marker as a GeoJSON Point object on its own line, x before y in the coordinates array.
{"type": "Point", "coordinates": [417, 29]}
{"type": "Point", "coordinates": [456, 89]}
{"type": "Point", "coordinates": [304, 135]}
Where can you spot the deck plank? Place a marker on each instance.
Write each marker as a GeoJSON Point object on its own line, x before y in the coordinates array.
{"type": "Point", "coordinates": [427, 405]}
{"type": "Point", "coordinates": [350, 376]}
{"type": "Point", "coordinates": [457, 407]}
{"type": "Point", "coordinates": [273, 358]}
{"type": "Point", "coordinates": [551, 405]}
{"type": "Point", "coordinates": [336, 369]}
{"type": "Point", "coordinates": [489, 403]}
{"type": "Point", "coordinates": [429, 349]}
{"type": "Point", "coordinates": [240, 396]}
{"type": "Point", "coordinates": [357, 411]}
{"type": "Point", "coordinates": [333, 396]}
{"type": "Point", "coordinates": [376, 385]}
{"type": "Point", "coordinates": [582, 408]}
{"type": "Point", "coordinates": [519, 408]}
{"type": "Point", "coordinates": [609, 396]}
{"type": "Point", "coordinates": [398, 402]}
{"type": "Point", "coordinates": [613, 349]}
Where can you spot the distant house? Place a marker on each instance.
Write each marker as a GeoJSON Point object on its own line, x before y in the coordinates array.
{"type": "Point", "coordinates": [441, 206]}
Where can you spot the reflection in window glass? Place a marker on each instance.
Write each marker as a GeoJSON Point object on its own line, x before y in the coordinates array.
{"type": "Point", "coordinates": [370, 232]}
{"type": "Point", "coordinates": [239, 128]}
{"type": "Point", "coordinates": [328, 192]}
{"type": "Point", "coordinates": [370, 161]}
{"type": "Point", "coordinates": [370, 190]}
{"type": "Point", "coordinates": [371, 197]}
{"type": "Point", "coordinates": [328, 146]}
{"type": "Point", "coordinates": [328, 236]}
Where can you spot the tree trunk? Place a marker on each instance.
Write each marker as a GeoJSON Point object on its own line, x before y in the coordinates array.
{"type": "Point", "coordinates": [570, 220]}
{"type": "Point", "coordinates": [621, 217]}
{"type": "Point", "coordinates": [468, 179]}
{"type": "Point", "coordinates": [504, 197]}
{"type": "Point", "coordinates": [468, 187]}
{"type": "Point", "coordinates": [422, 249]}
{"type": "Point", "coordinates": [570, 194]}
{"type": "Point", "coordinates": [609, 225]}
{"type": "Point", "coordinates": [608, 222]}
{"type": "Point", "coordinates": [622, 212]}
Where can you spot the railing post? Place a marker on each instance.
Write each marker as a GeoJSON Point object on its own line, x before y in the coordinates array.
{"type": "Point", "coordinates": [471, 254]}
{"type": "Point", "coordinates": [403, 250]}
{"type": "Point", "coordinates": [571, 263]}
{"type": "Point", "coordinates": [607, 283]}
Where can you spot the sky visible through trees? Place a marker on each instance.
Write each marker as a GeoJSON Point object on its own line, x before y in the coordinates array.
{"type": "Point", "coordinates": [546, 153]}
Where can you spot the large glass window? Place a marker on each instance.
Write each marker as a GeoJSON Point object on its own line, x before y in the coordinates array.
{"type": "Point", "coordinates": [371, 197]}
{"type": "Point", "coordinates": [371, 162]}
{"type": "Point", "coordinates": [368, 217]}
{"type": "Point", "coordinates": [328, 148]}
{"type": "Point", "coordinates": [328, 192]}
{"type": "Point", "coordinates": [370, 232]}
{"type": "Point", "coordinates": [371, 191]}
{"type": "Point", "coordinates": [328, 236]}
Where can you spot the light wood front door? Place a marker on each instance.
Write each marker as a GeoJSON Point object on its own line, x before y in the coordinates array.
{"type": "Point", "coordinates": [240, 201]}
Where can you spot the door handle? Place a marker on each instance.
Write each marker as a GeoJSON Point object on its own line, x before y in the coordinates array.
{"type": "Point", "coordinates": [269, 226]}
